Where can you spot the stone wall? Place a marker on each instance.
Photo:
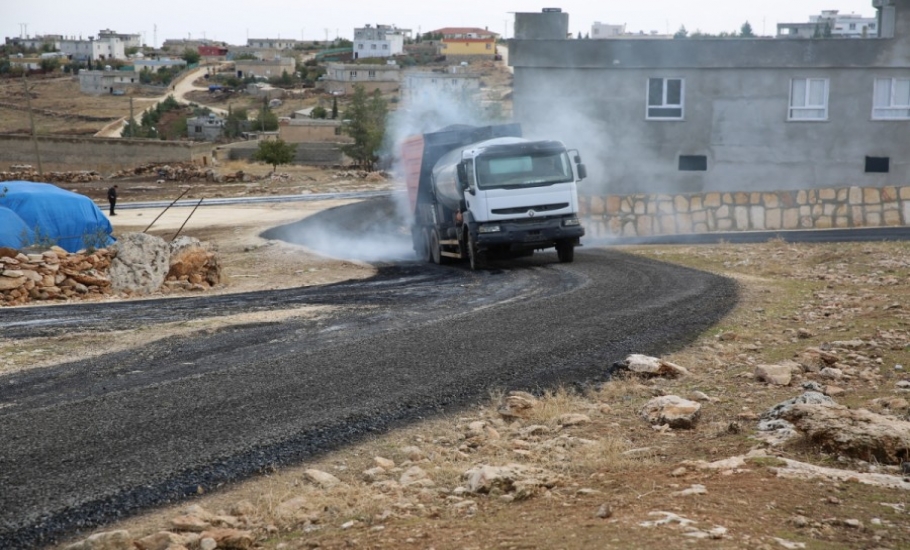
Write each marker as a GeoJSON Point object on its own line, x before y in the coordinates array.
{"type": "Point", "coordinates": [103, 155]}
{"type": "Point", "coordinates": [642, 215]}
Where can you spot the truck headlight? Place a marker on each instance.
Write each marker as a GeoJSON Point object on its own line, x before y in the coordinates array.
{"type": "Point", "coordinates": [489, 229]}
{"type": "Point", "coordinates": [571, 222]}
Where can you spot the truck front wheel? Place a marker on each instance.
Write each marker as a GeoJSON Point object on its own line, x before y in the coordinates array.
{"type": "Point", "coordinates": [478, 259]}
{"type": "Point", "coordinates": [434, 248]}
{"type": "Point", "coordinates": [565, 251]}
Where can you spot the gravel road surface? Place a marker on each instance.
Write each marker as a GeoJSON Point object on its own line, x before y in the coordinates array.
{"type": "Point", "coordinates": [90, 441]}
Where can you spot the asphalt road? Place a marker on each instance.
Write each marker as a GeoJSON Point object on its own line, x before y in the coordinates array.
{"type": "Point", "coordinates": [90, 441]}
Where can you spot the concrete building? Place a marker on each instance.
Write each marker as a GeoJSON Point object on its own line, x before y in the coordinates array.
{"type": "Point", "coordinates": [603, 30]}
{"type": "Point", "coordinates": [719, 114]}
{"type": "Point", "coordinates": [107, 82]}
{"type": "Point", "coordinates": [38, 42]}
{"type": "Point", "coordinates": [466, 43]}
{"type": "Point", "coordinates": [265, 68]}
{"type": "Point", "coordinates": [309, 130]}
{"type": "Point", "coordinates": [379, 41]}
{"type": "Point", "coordinates": [272, 43]}
{"type": "Point", "coordinates": [831, 23]}
{"type": "Point", "coordinates": [96, 49]}
{"type": "Point", "coordinates": [205, 128]}
{"type": "Point", "coordinates": [155, 64]}
{"type": "Point", "coordinates": [129, 40]}
{"type": "Point", "coordinates": [340, 78]}
{"type": "Point", "coordinates": [418, 86]}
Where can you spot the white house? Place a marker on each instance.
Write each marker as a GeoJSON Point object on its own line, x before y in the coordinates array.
{"type": "Point", "coordinates": [379, 41]}
{"type": "Point", "coordinates": [845, 25]}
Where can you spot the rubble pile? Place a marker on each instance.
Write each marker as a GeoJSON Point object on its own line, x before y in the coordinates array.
{"type": "Point", "coordinates": [27, 173]}
{"type": "Point", "coordinates": [55, 274]}
{"type": "Point", "coordinates": [182, 172]}
{"type": "Point", "coordinates": [362, 175]}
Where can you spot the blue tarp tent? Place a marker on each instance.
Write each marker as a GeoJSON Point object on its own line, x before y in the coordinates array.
{"type": "Point", "coordinates": [57, 216]}
{"type": "Point", "coordinates": [14, 233]}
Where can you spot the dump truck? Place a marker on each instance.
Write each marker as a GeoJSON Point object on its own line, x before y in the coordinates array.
{"type": "Point", "coordinates": [481, 193]}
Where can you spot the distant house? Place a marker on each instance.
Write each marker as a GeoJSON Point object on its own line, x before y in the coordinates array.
{"type": "Point", "coordinates": [272, 43]}
{"type": "Point", "coordinates": [205, 128]}
{"type": "Point", "coordinates": [265, 68]}
{"type": "Point", "coordinates": [379, 41]}
{"type": "Point", "coordinates": [418, 86]}
{"type": "Point", "coordinates": [830, 23]}
{"type": "Point", "coordinates": [213, 51]}
{"type": "Point", "coordinates": [155, 64]}
{"type": "Point", "coordinates": [340, 78]}
{"type": "Point", "coordinates": [460, 43]}
{"type": "Point", "coordinates": [309, 130]}
{"type": "Point", "coordinates": [95, 49]}
{"type": "Point", "coordinates": [129, 40]}
{"type": "Point", "coordinates": [106, 82]}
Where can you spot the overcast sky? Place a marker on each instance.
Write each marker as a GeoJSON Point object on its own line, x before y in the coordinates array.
{"type": "Point", "coordinates": [234, 22]}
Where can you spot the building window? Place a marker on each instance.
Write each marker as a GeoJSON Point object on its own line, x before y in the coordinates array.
{"type": "Point", "coordinates": [359, 46]}
{"type": "Point", "coordinates": [372, 46]}
{"type": "Point", "coordinates": [693, 163]}
{"type": "Point", "coordinates": [489, 46]}
{"type": "Point", "coordinates": [878, 165]}
{"type": "Point", "coordinates": [353, 74]}
{"type": "Point", "coordinates": [891, 99]}
{"type": "Point", "coordinates": [665, 99]}
{"type": "Point", "coordinates": [385, 46]}
{"type": "Point", "coordinates": [808, 99]}
{"type": "Point", "coordinates": [371, 74]}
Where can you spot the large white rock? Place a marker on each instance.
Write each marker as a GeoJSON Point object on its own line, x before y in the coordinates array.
{"type": "Point", "coordinates": [140, 263]}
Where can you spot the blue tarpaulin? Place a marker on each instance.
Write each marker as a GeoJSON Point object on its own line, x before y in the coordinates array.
{"type": "Point", "coordinates": [54, 215]}
{"type": "Point", "coordinates": [14, 233]}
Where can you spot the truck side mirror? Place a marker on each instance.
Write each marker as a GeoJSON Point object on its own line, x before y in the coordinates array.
{"type": "Point", "coordinates": [582, 171]}
{"type": "Point", "coordinates": [462, 175]}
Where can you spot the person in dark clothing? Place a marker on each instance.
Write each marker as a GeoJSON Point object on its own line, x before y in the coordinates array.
{"type": "Point", "coordinates": [112, 198]}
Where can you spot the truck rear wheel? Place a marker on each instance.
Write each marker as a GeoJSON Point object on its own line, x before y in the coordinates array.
{"type": "Point", "coordinates": [477, 258]}
{"type": "Point", "coordinates": [565, 251]}
{"type": "Point", "coordinates": [423, 247]}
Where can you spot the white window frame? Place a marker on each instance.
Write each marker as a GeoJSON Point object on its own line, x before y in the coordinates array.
{"type": "Point", "coordinates": [792, 109]}
{"type": "Point", "coordinates": [664, 105]}
{"type": "Point", "coordinates": [892, 107]}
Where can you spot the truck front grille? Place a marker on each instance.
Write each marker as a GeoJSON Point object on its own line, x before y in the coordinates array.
{"type": "Point", "coordinates": [536, 208]}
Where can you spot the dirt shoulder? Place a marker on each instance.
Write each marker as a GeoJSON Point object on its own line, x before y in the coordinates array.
{"type": "Point", "coordinates": [573, 469]}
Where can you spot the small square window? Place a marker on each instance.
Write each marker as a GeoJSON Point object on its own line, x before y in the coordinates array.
{"type": "Point", "coordinates": [665, 99]}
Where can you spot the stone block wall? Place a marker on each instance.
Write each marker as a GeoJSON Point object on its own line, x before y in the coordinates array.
{"type": "Point", "coordinates": [105, 155]}
{"type": "Point", "coordinates": [644, 215]}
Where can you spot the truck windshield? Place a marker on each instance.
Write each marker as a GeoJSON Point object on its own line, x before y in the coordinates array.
{"type": "Point", "coordinates": [523, 170]}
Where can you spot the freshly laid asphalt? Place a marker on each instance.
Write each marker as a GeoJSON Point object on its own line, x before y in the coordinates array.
{"type": "Point", "coordinates": [88, 442]}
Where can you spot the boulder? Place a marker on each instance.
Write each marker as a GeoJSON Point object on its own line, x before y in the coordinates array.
{"type": "Point", "coordinates": [522, 481]}
{"type": "Point", "coordinates": [778, 375]}
{"type": "Point", "coordinates": [110, 540]}
{"type": "Point", "coordinates": [140, 263]}
{"type": "Point", "coordinates": [856, 433]}
{"type": "Point", "coordinates": [320, 478]}
{"type": "Point", "coordinates": [672, 410]}
{"type": "Point", "coordinates": [647, 366]}
{"type": "Point", "coordinates": [190, 258]}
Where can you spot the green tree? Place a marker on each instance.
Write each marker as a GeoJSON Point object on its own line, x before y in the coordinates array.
{"type": "Point", "coordinates": [235, 122]}
{"type": "Point", "coordinates": [191, 56]}
{"type": "Point", "coordinates": [275, 152]}
{"type": "Point", "coordinates": [334, 107]}
{"type": "Point", "coordinates": [49, 64]}
{"type": "Point", "coordinates": [319, 112]}
{"type": "Point", "coordinates": [746, 30]}
{"type": "Point", "coordinates": [266, 121]}
{"type": "Point", "coordinates": [365, 122]}
{"type": "Point", "coordinates": [681, 33]}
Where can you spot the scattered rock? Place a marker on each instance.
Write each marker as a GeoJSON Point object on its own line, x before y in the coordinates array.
{"type": "Point", "coordinates": [320, 478]}
{"type": "Point", "coordinates": [110, 540]}
{"type": "Point", "coordinates": [672, 410]}
{"type": "Point", "coordinates": [778, 375]}
{"type": "Point", "coordinates": [647, 366]}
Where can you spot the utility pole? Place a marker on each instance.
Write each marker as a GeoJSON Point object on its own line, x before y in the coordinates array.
{"type": "Point", "coordinates": [31, 120]}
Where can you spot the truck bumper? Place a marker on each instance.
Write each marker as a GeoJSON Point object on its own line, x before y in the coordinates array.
{"type": "Point", "coordinates": [526, 235]}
